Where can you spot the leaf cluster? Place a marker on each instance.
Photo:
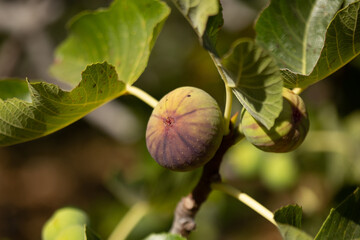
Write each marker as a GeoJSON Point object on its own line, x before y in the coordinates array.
{"type": "Point", "coordinates": [296, 46]}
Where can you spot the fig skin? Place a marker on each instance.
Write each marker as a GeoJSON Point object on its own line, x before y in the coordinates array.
{"type": "Point", "coordinates": [185, 129]}
{"type": "Point", "coordinates": [288, 132]}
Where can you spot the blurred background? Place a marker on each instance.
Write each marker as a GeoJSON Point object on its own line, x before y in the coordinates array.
{"type": "Point", "coordinates": [100, 164]}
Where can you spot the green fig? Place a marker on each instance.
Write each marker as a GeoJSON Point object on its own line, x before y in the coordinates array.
{"type": "Point", "coordinates": [289, 129]}
{"type": "Point", "coordinates": [185, 129]}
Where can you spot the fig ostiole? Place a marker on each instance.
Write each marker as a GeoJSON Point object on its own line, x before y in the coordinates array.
{"type": "Point", "coordinates": [288, 132]}
{"type": "Point", "coordinates": [185, 129]}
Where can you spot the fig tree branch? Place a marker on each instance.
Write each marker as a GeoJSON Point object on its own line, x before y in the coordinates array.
{"type": "Point", "coordinates": [187, 208]}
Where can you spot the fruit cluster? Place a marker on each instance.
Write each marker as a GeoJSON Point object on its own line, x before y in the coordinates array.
{"type": "Point", "coordinates": [186, 128]}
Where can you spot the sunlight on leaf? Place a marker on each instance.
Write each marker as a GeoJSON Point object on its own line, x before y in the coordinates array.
{"type": "Point", "coordinates": [122, 35]}
{"type": "Point", "coordinates": [294, 31]}
{"type": "Point", "coordinates": [255, 79]}
{"type": "Point", "coordinates": [249, 71]}
{"type": "Point", "coordinates": [51, 108]}
{"type": "Point", "coordinates": [342, 44]}
{"type": "Point", "coordinates": [347, 2]}
{"type": "Point", "coordinates": [198, 12]}
{"type": "Point", "coordinates": [307, 40]}
{"type": "Point", "coordinates": [205, 17]}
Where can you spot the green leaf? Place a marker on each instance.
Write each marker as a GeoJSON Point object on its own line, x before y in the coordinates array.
{"type": "Point", "coordinates": [205, 17]}
{"type": "Point", "coordinates": [198, 12]}
{"type": "Point", "coordinates": [288, 220]}
{"type": "Point", "coordinates": [342, 44]}
{"type": "Point", "coordinates": [260, 87]}
{"type": "Point", "coordinates": [343, 221]}
{"type": "Point", "coordinates": [164, 236]}
{"type": "Point", "coordinates": [51, 108]}
{"type": "Point", "coordinates": [294, 31]}
{"type": "Point", "coordinates": [122, 35]}
{"type": "Point", "coordinates": [290, 214]}
{"type": "Point", "coordinates": [255, 79]}
{"type": "Point", "coordinates": [210, 36]}
{"type": "Point", "coordinates": [308, 42]}
{"type": "Point", "coordinates": [347, 2]}
{"type": "Point", "coordinates": [289, 232]}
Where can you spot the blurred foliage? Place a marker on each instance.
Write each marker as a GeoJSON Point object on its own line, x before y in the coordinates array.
{"type": "Point", "coordinates": [81, 166]}
{"type": "Point", "coordinates": [276, 171]}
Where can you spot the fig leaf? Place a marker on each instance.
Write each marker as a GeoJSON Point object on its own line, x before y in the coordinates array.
{"type": "Point", "coordinates": [255, 80]}
{"type": "Point", "coordinates": [122, 35]}
{"type": "Point", "coordinates": [50, 108]}
{"type": "Point", "coordinates": [319, 38]}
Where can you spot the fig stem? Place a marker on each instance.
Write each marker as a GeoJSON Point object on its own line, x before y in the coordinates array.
{"type": "Point", "coordinates": [129, 221]}
{"type": "Point", "coordinates": [246, 199]}
{"type": "Point", "coordinates": [228, 92]}
{"type": "Point", "coordinates": [142, 95]}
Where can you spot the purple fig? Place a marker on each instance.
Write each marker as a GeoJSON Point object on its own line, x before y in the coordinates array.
{"type": "Point", "coordinates": [185, 129]}
{"type": "Point", "coordinates": [288, 132]}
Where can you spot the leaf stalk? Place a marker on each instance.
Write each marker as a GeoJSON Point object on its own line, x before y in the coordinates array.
{"type": "Point", "coordinates": [142, 95]}
{"type": "Point", "coordinates": [246, 199]}
{"type": "Point", "coordinates": [228, 92]}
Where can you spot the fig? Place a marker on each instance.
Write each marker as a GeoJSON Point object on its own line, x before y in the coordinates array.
{"type": "Point", "coordinates": [185, 129]}
{"type": "Point", "coordinates": [289, 129]}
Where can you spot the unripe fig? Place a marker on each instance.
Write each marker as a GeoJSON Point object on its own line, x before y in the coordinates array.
{"type": "Point", "coordinates": [288, 132]}
{"type": "Point", "coordinates": [185, 129]}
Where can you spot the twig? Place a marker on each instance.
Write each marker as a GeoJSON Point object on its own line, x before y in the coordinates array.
{"type": "Point", "coordinates": [246, 199]}
{"type": "Point", "coordinates": [184, 216]}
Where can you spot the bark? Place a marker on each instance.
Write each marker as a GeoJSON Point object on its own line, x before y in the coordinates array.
{"type": "Point", "coordinates": [185, 212]}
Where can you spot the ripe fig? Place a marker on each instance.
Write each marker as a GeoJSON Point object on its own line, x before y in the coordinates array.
{"type": "Point", "coordinates": [288, 132]}
{"type": "Point", "coordinates": [185, 129]}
